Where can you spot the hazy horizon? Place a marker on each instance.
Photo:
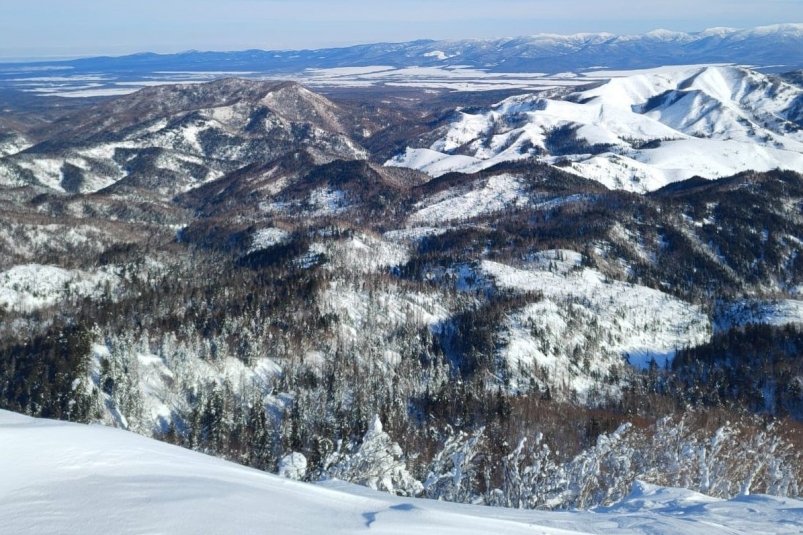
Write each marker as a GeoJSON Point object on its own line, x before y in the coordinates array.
{"type": "Point", "coordinates": [53, 29]}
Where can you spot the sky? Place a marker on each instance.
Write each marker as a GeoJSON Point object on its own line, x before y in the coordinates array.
{"type": "Point", "coordinates": [70, 28]}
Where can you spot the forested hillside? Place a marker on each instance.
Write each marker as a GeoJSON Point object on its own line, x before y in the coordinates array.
{"type": "Point", "coordinates": [229, 267]}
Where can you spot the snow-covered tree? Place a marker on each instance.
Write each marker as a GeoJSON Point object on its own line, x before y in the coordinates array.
{"type": "Point", "coordinates": [454, 470]}
{"type": "Point", "coordinates": [293, 466]}
{"type": "Point", "coordinates": [531, 475]}
{"type": "Point", "coordinates": [378, 463]}
{"type": "Point", "coordinates": [603, 473]}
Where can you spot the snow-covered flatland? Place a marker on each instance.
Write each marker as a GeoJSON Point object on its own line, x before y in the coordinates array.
{"type": "Point", "coordinates": [638, 132]}
{"type": "Point", "coordinates": [99, 92]}
{"type": "Point", "coordinates": [455, 78]}
{"type": "Point", "coordinates": [426, 77]}
{"type": "Point", "coordinates": [68, 478]}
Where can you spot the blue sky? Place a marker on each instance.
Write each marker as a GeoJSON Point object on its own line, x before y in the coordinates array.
{"type": "Point", "coordinates": [52, 28]}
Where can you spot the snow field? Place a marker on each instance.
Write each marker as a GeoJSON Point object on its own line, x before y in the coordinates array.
{"type": "Point", "coordinates": [362, 253]}
{"type": "Point", "coordinates": [266, 238]}
{"type": "Point", "coordinates": [499, 192]}
{"type": "Point", "coordinates": [30, 287]}
{"type": "Point", "coordinates": [777, 313]}
{"type": "Point", "coordinates": [628, 320]}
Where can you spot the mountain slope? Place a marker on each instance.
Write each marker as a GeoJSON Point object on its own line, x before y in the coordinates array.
{"type": "Point", "coordinates": [169, 139]}
{"type": "Point", "coordinates": [68, 478]}
{"type": "Point", "coordinates": [273, 309]}
{"type": "Point", "coordinates": [637, 133]}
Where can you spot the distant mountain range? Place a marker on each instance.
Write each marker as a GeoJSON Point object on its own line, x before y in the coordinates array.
{"type": "Point", "coordinates": [770, 48]}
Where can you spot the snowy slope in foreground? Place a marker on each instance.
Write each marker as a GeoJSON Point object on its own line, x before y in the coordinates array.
{"type": "Point", "coordinates": [67, 478]}
{"type": "Point", "coordinates": [637, 132]}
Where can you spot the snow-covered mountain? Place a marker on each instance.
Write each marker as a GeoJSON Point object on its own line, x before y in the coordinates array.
{"type": "Point", "coordinates": [68, 478]}
{"type": "Point", "coordinates": [767, 45]}
{"type": "Point", "coordinates": [11, 143]}
{"type": "Point", "coordinates": [172, 138]}
{"type": "Point", "coordinates": [779, 46]}
{"type": "Point", "coordinates": [230, 267]}
{"type": "Point", "coordinates": [638, 132]}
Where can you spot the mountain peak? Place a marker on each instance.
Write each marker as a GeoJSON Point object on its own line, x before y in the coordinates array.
{"type": "Point", "coordinates": [795, 29]}
{"type": "Point", "coordinates": [636, 132]}
{"type": "Point", "coordinates": [664, 34]}
{"type": "Point", "coordinates": [717, 31]}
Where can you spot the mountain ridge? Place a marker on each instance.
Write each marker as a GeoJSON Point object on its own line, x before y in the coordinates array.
{"type": "Point", "coordinates": [793, 30]}
{"type": "Point", "coordinates": [774, 48]}
{"type": "Point", "coordinates": [201, 130]}
{"type": "Point", "coordinates": [636, 132]}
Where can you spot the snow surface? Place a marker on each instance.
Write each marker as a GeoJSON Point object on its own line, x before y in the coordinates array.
{"type": "Point", "coordinates": [100, 92]}
{"type": "Point", "coordinates": [67, 478]}
{"type": "Point", "coordinates": [777, 313]}
{"type": "Point", "coordinates": [638, 132]}
{"type": "Point", "coordinates": [267, 237]}
{"type": "Point", "coordinates": [498, 193]}
{"type": "Point", "coordinates": [640, 323]}
{"type": "Point", "coordinates": [416, 233]}
{"type": "Point", "coordinates": [33, 286]}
